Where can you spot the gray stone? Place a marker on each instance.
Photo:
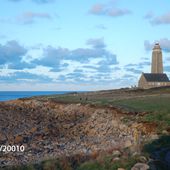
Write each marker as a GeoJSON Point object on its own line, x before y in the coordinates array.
{"type": "Point", "coordinates": [115, 159]}
{"type": "Point", "coordinates": [154, 137]}
{"type": "Point", "coordinates": [142, 159]}
{"type": "Point", "coordinates": [165, 132]}
{"type": "Point", "coordinates": [116, 153]}
{"type": "Point", "coordinates": [140, 166]}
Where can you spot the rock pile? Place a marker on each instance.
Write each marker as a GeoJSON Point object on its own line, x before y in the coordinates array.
{"type": "Point", "coordinates": [48, 129]}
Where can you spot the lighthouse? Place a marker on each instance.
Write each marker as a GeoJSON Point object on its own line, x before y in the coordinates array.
{"type": "Point", "coordinates": [157, 77]}
{"type": "Point", "coordinates": [157, 64]}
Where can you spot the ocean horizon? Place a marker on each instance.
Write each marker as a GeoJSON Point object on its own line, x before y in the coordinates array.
{"type": "Point", "coordinates": [12, 95]}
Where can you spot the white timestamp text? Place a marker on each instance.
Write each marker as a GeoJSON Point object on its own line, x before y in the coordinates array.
{"type": "Point", "coordinates": [12, 148]}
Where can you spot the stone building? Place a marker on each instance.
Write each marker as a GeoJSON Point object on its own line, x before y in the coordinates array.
{"type": "Point", "coordinates": [156, 78]}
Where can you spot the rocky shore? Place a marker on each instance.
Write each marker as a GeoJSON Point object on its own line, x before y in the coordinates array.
{"type": "Point", "coordinates": [48, 129]}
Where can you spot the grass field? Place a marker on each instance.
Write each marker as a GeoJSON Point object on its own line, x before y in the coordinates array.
{"type": "Point", "coordinates": [157, 106]}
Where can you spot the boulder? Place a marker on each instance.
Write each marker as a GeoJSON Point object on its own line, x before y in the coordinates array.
{"type": "Point", "coordinates": [127, 144]}
{"type": "Point", "coordinates": [115, 123]}
{"type": "Point", "coordinates": [18, 139]}
{"type": "Point", "coordinates": [143, 159]}
{"type": "Point", "coordinates": [154, 137]}
{"type": "Point", "coordinates": [165, 132]}
{"type": "Point", "coordinates": [140, 166]}
{"type": "Point", "coordinates": [116, 153]}
{"type": "Point", "coordinates": [33, 130]}
{"type": "Point", "coordinates": [2, 138]}
{"type": "Point", "coordinates": [122, 127]}
{"type": "Point", "coordinates": [115, 159]}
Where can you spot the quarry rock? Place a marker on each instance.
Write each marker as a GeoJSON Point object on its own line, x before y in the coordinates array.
{"type": "Point", "coordinates": [140, 166]}
{"type": "Point", "coordinates": [127, 143]}
{"type": "Point", "coordinates": [50, 129]}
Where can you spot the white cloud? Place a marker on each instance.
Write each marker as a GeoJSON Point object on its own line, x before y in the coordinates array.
{"type": "Point", "coordinates": [108, 10]}
{"type": "Point", "coordinates": [163, 19]}
{"type": "Point", "coordinates": [30, 17]}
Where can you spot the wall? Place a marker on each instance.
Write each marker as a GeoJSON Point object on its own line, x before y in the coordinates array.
{"type": "Point", "coordinates": [146, 85]}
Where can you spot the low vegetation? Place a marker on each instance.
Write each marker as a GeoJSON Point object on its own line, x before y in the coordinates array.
{"type": "Point", "coordinates": [158, 109]}
{"type": "Point", "coordinates": [101, 162]}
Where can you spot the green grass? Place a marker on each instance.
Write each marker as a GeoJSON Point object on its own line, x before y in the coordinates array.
{"type": "Point", "coordinates": [108, 164]}
{"type": "Point", "coordinates": [151, 104]}
{"type": "Point", "coordinates": [158, 108]}
{"type": "Point", "coordinates": [91, 165]}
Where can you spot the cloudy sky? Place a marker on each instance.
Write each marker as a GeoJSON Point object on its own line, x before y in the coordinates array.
{"type": "Point", "coordinates": [80, 44]}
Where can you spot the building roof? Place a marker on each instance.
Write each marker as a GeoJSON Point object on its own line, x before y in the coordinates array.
{"type": "Point", "coordinates": [156, 77]}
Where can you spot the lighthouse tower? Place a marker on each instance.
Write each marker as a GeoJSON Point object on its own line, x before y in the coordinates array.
{"type": "Point", "coordinates": [157, 64]}
{"type": "Point", "coordinates": [156, 78]}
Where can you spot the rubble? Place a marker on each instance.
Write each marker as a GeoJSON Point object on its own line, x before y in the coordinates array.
{"type": "Point", "coordinates": [48, 129]}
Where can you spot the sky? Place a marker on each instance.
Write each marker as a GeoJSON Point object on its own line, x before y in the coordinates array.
{"type": "Point", "coordinates": [58, 45]}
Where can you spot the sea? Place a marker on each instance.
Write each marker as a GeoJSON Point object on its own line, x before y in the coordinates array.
{"type": "Point", "coordinates": [11, 95]}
